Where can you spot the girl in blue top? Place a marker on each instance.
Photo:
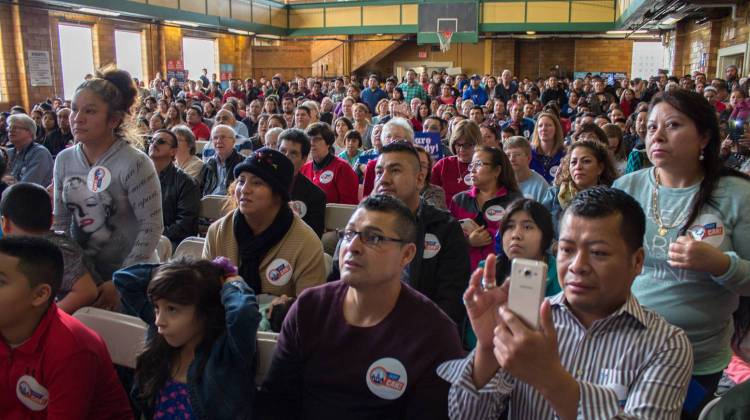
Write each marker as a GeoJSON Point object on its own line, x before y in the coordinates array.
{"type": "Point", "coordinates": [199, 357]}
{"type": "Point", "coordinates": [697, 228]}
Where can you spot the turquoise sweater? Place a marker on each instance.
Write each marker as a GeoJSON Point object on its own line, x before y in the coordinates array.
{"type": "Point", "coordinates": [697, 302]}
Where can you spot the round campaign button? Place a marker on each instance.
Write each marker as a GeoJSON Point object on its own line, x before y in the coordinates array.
{"type": "Point", "coordinates": [494, 213]}
{"type": "Point", "coordinates": [31, 393]}
{"type": "Point", "coordinates": [326, 177]}
{"type": "Point", "coordinates": [279, 272]}
{"type": "Point", "coordinates": [298, 207]}
{"type": "Point", "coordinates": [387, 378]}
{"type": "Point", "coordinates": [431, 246]}
{"type": "Point", "coordinates": [708, 228]}
{"type": "Point", "coordinates": [98, 179]}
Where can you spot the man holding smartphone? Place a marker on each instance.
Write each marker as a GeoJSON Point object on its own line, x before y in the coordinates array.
{"type": "Point", "coordinates": [597, 354]}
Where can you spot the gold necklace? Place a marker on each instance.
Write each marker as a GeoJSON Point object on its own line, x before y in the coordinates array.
{"type": "Point", "coordinates": [656, 212]}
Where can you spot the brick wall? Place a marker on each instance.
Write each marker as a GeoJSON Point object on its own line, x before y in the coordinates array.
{"type": "Point", "coordinates": [611, 55]}
{"type": "Point", "coordinates": [691, 41]}
{"type": "Point", "coordinates": [10, 76]}
{"type": "Point", "coordinates": [503, 55]}
{"type": "Point", "coordinates": [288, 60]}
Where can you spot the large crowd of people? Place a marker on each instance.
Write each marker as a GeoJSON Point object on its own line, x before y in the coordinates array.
{"type": "Point", "coordinates": [630, 191]}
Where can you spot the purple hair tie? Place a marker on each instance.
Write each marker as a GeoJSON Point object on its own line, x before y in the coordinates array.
{"type": "Point", "coordinates": [225, 265]}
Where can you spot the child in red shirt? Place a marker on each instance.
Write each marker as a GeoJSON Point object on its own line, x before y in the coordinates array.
{"type": "Point", "coordinates": [51, 365]}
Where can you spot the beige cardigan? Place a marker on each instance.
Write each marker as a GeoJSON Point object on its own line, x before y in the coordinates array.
{"type": "Point", "coordinates": [293, 265]}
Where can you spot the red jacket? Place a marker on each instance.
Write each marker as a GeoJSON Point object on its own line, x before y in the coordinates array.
{"type": "Point", "coordinates": [337, 179]}
{"type": "Point", "coordinates": [229, 94]}
{"type": "Point", "coordinates": [201, 131]}
{"type": "Point", "coordinates": [62, 372]}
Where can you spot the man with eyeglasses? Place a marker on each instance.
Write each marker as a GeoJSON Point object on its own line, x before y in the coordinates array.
{"type": "Point", "coordinates": [241, 141]}
{"type": "Point", "coordinates": [180, 193]}
{"type": "Point", "coordinates": [440, 268]}
{"type": "Point", "coordinates": [217, 172]}
{"type": "Point", "coordinates": [28, 161]}
{"type": "Point", "coordinates": [368, 344]}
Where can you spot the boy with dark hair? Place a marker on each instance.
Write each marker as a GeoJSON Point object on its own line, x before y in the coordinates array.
{"type": "Point", "coordinates": [27, 211]}
{"type": "Point", "coordinates": [308, 201]}
{"type": "Point", "coordinates": [53, 366]}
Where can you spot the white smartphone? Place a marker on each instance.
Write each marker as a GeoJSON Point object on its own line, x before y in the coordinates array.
{"type": "Point", "coordinates": [468, 226]}
{"type": "Point", "coordinates": [527, 283]}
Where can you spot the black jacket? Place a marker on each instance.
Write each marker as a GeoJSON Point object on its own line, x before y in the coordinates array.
{"type": "Point", "coordinates": [557, 95]}
{"type": "Point", "coordinates": [445, 276]}
{"type": "Point", "coordinates": [210, 174]}
{"type": "Point", "coordinates": [315, 202]}
{"type": "Point", "coordinates": [180, 203]}
{"type": "Point", "coordinates": [56, 141]}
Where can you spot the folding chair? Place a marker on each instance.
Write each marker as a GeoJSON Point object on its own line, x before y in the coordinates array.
{"type": "Point", "coordinates": [212, 208]}
{"type": "Point", "coordinates": [199, 146]}
{"type": "Point", "coordinates": [191, 246]}
{"type": "Point", "coordinates": [124, 335]}
{"type": "Point", "coordinates": [164, 249]}
{"type": "Point", "coordinates": [337, 215]}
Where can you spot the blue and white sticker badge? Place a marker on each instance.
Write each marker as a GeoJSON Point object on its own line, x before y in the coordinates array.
{"type": "Point", "coordinates": [387, 378]}
{"type": "Point", "coordinates": [98, 179]}
{"type": "Point", "coordinates": [326, 177]}
{"type": "Point", "coordinates": [279, 272]}
{"type": "Point", "coordinates": [707, 228]}
{"type": "Point", "coordinates": [31, 393]}
{"type": "Point", "coordinates": [467, 179]}
{"type": "Point", "coordinates": [553, 171]}
{"type": "Point", "coordinates": [494, 213]}
{"type": "Point", "coordinates": [431, 246]}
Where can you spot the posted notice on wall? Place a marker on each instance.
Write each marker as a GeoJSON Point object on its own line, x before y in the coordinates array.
{"type": "Point", "coordinates": [40, 72]}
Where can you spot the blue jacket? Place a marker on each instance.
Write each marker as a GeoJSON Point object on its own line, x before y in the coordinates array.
{"type": "Point", "coordinates": [478, 95]}
{"type": "Point", "coordinates": [227, 385]}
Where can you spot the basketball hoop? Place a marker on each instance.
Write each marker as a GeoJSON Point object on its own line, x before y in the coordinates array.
{"type": "Point", "coordinates": [445, 40]}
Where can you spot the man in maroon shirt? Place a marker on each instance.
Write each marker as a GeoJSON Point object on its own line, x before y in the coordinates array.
{"type": "Point", "coordinates": [51, 365]}
{"type": "Point", "coordinates": [367, 345]}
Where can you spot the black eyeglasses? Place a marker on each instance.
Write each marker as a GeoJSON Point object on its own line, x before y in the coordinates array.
{"type": "Point", "coordinates": [367, 238]}
{"type": "Point", "coordinates": [160, 142]}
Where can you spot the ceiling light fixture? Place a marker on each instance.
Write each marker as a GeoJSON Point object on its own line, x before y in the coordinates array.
{"type": "Point", "coordinates": [182, 23]}
{"type": "Point", "coordinates": [98, 11]}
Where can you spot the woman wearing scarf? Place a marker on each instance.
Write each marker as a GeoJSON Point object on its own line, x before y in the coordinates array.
{"type": "Point", "coordinates": [276, 252]}
{"type": "Point", "coordinates": [479, 209]}
{"type": "Point", "coordinates": [587, 164]}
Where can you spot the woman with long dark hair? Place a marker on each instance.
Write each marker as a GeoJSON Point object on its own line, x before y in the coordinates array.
{"type": "Point", "coordinates": [588, 163]}
{"type": "Point", "coordinates": [697, 253]}
{"type": "Point", "coordinates": [199, 356]}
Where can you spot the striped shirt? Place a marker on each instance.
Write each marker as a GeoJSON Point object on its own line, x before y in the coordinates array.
{"type": "Point", "coordinates": [631, 364]}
